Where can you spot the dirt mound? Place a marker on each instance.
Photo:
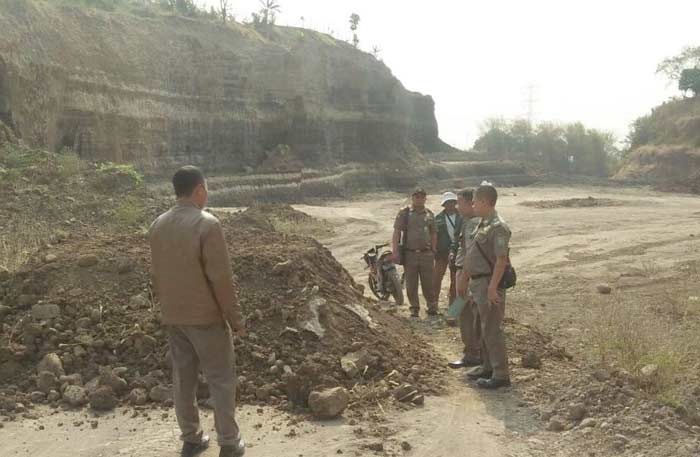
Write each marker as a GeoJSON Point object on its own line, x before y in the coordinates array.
{"type": "Point", "coordinates": [588, 202]}
{"type": "Point", "coordinates": [87, 300]}
{"type": "Point", "coordinates": [672, 168]}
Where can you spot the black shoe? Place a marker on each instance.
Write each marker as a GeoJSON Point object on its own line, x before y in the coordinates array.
{"type": "Point", "coordinates": [479, 372]}
{"type": "Point", "coordinates": [192, 449]}
{"type": "Point", "coordinates": [433, 313]}
{"type": "Point", "coordinates": [414, 314]}
{"type": "Point", "coordinates": [465, 362]}
{"type": "Point", "coordinates": [492, 383]}
{"type": "Point", "coordinates": [233, 451]}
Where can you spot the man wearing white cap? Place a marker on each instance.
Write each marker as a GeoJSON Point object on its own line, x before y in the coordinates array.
{"type": "Point", "coordinates": [448, 223]}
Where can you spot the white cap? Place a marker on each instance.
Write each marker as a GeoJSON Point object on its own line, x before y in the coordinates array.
{"type": "Point", "coordinates": [448, 196]}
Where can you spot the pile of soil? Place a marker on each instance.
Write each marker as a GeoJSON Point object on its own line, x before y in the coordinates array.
{"type": "Point", "coordinates": [588, 202]}
{"type": "Point", "coordinates": [87, 300]}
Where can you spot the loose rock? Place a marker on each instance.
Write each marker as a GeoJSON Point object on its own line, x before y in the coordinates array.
{"type": "Point", "coordinates": [160, 394]}
{"type": "Point", "coordinates": [531, 360]}
{"type": "Point", "coordinates": [51, 363]}
{"type": "Point", "coordinates": [76, 396]}
{"type": "Point", "coordinates": [46, 382]}
{"type": "Point", "coordinates": [45, 312]}
{"type": "Point", "coordinates": [604, 289]}
{"type": "Point", "coordinates": [88, 261]}
{"type": "Point", "coordinates": [102, 399]}
{"type": "Point", "coordinates": [330, 403]}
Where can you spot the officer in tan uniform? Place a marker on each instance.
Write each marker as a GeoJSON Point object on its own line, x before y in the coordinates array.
{"type": "Point", "coordinates": [413, 245]}
{"type": "Point", "coordinates": [469, 325]}
{"type": "Point", "coordinates": [489, 247]}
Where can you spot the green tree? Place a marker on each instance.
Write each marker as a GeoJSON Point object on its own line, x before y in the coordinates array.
{"type": "Point", "coordinates": [354, 23]}
{"type": "Point", "coordinates": [641, 132]}
{"type": "Point", "coordinates": [673, 67]}
{"type": "Point", "coordinates": [570, 148]}
{"type": "Point", "coordinates": [690, 80]}
{"type": "Point", "coordinates": [268, 12]}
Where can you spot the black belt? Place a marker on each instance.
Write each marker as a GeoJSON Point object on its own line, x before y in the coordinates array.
{"type": "Point", "coordinates": [485, 275]}
{"type": "Point", "coordinates": [419, 250]}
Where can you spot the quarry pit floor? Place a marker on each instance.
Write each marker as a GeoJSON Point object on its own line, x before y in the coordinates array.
{"type": "Point", "coordinates": [562, 250]}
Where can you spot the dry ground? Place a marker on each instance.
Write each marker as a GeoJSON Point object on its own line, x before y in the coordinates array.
{"type": "Point", "coordinates": [637, 247]}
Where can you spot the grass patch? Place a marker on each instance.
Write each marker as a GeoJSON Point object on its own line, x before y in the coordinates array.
{"type": "Point", "coordinates": [656, 350]}
{"type": "Point", "coordinates": [130, 214]}
{"type": "Point", "coordinates": [20, 240]}
{"type": "Point", "coordinates": [315, 228]}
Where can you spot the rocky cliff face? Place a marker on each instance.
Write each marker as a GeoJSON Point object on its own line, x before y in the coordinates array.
{"type": "Point", "coordinates": [160, 91]}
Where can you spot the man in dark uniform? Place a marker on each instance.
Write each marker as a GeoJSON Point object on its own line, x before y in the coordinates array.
{"type": "Point", "coordinates": [414, 244]}
{"type": "Point", "coordinates": [447, 223]}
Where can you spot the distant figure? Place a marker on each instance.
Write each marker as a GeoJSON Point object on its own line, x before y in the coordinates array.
{"type": "Point", "coordinates": [193, 281]}
{"type": "Point", "coordinates": [486, 261]}
{"type": "Point", "coordinates": [469, 323]}
{"type": "Point", "coordinates": [448, 223]}
{"type": "Point", "coordinates": [413, 245]}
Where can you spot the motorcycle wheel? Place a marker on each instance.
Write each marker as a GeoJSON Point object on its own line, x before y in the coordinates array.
{"type": "Point", "coordinates": [373, 287]}
{"type": "Point", "coordinates": [396, 287]}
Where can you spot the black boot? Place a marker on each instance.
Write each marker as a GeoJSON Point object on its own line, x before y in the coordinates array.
{"type": "Point", "coordinates": [192, 449]}
{"type": "Point", "coordinates": [479, 372]}
{"type": "Point", "coordinates": [465, 362]}
{"type": "Point", "coordinates": [233, 451]}
{"type": "Point", "coordinates": [492, 383]}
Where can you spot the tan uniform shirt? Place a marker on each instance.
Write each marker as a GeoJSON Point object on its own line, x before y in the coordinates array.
{"type": "Point", "coordinates": [190, 268]}
{"type": "Point", "coordinates": [468, 226]}
{"type": "Point", "coordinates": [421, 226]}
{"type": "Point", "coordinates": [493, 236]}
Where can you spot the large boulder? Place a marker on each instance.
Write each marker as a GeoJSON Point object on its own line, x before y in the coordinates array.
{"type": "Point", "coordinates": [51, 363]}
{"type": "Point", "coordinates": [75, 396]}
{"type": "Point", "coordinates": [46, 382]}
{"type": "Point", "coordinates": [329, 403]}
{"type": "Point", "coordinates": [103, 399]}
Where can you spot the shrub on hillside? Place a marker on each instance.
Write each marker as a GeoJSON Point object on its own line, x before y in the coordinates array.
{"type": "Point", "coordinates": [117, 178]}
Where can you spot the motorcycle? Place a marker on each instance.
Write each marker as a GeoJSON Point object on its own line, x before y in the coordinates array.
{"type": "Point", "coordinates": [383, 278]}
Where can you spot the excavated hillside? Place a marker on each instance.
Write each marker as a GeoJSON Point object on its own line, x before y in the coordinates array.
{"type": "Point", "coordinates": [158, 90]}
{"type": "Point", "coordinates": [669, 156]}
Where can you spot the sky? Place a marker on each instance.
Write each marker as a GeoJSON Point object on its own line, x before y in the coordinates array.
{"type": "Point", "coordinates": [592, 61]}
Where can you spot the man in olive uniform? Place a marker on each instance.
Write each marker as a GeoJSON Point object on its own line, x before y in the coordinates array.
{"type": "Point", "coordinates": [414, 242]}
{"type": "Point", "coordinates": [447, 223]}
{"type": "Point", "coordinates": [489, 247]}
{"type": "Point", "coordinates": [469, 324]}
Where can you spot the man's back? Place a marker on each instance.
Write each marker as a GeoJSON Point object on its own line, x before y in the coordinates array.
{"type": "Point", "coordinates": [187, 259]}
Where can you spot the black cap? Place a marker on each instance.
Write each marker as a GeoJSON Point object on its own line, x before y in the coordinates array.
{"type": "Point", "coordinates": [419, 191]}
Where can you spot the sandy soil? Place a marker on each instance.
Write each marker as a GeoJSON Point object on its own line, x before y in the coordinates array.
{"type": "Point", "coordinates": [560, 253]}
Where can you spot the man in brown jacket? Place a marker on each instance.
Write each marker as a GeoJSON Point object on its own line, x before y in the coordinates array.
{"type": "Point", "coordinates": [192, 279]}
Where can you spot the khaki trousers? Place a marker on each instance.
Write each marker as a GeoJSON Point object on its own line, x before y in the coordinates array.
{"type": "Point", "coordinates": [210, 348]}
{"type": "Point", "coordinates": [493, 340]}
{"type": "Point", "coordinates": [420, 266]}
{"type": "Point", "coordinates": [442, 262]}
{"type": "Point", "coordinates": [470, 330]}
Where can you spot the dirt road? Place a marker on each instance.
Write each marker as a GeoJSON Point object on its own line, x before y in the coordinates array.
{"type": "Point", "coordinates": [559, 252]}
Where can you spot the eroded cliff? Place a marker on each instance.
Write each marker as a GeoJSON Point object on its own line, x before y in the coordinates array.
{"type": "Point", "coordinates": [164, 90]}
